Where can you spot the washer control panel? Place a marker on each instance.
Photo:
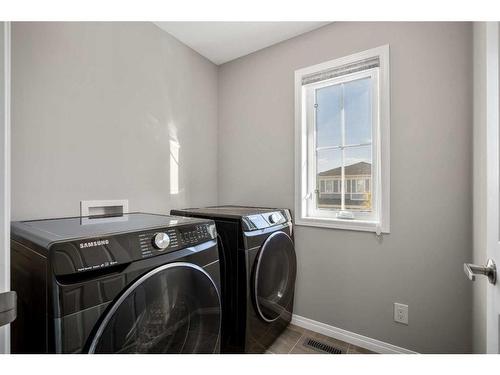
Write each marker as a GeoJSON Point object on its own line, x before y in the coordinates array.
{"type": "Point", "coordinates": [171, 239]}
{"type": "Point", "coordinates": [95, 253]}
{"type": "Point", "coordinates": [265, 220]}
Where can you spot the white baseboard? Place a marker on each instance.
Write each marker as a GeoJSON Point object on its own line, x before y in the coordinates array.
{"type": "Point", "coordinates": [349, 337]}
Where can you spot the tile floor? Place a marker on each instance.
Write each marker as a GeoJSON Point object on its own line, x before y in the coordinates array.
{"type": "Point", "coordinates": [293, 338]}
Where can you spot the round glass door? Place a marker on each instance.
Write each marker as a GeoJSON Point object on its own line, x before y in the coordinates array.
{"type": "Point", "coordinates": [274, 276]}
{"type": "Point", "coordinates": [174, 308]}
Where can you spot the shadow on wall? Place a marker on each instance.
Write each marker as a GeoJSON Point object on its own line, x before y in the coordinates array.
{"type": "Point", "coordinates": [174, 166]}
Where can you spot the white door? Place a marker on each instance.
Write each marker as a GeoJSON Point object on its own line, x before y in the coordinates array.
{"type": "Point", "coordinates": [492, 181]}
{"type": "Point", "coordinates": [4, 173]}
{"type": "Point", "coordinates": [488, 40]}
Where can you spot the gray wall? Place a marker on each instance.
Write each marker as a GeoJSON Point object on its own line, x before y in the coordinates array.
{"type": "Point", "coordinates": [479, 188]}
{"type": "Point", "coordinates": [95, 107]}
{"type": "Point", "coordinates": [348, 279]}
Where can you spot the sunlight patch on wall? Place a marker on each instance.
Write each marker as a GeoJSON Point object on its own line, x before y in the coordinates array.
{"type": "Point", "coordinates": [174, 166]}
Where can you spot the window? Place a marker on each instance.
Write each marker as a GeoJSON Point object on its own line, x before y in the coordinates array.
{"type": "Point", "coordinates": [336, 186]}
{"type": "Point", "coordinates": [329, 186]}
{"type": "Point", "coordinates": [342, 143]}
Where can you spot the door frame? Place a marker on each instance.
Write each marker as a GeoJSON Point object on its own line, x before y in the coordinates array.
{"type": "Point", "coordinates": [5, 93]}
{"type": "Point", "coordinates": [492, 181]}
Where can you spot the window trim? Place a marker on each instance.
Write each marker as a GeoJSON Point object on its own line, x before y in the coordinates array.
{"type": "Point", "coordinates": [382, 141]}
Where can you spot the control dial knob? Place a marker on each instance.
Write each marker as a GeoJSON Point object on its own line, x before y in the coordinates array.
{"type": "Point", "coordinates": [161, 240]}
{"type": "Point", "coordinates": [274, 218]}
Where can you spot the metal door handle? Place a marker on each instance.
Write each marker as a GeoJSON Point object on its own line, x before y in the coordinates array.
{"type": "Point", "coordinates": [489, 270]}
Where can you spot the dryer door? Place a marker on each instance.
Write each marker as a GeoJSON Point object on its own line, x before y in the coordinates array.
{"type": "Point", "coordinates": [274, 276]}
{"type": "Point", "coordinates": [174, 308]}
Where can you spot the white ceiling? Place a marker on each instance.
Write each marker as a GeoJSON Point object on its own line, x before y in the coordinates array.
{"type": "Point", "coordinates": [221, 42]}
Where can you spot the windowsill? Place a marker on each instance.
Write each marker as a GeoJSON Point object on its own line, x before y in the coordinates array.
{"type": "Point", "coordinates": [355, 225]}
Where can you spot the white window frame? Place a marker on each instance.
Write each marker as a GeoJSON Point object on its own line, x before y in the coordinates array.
{"type": "Point", "coordinates": [305, 142]}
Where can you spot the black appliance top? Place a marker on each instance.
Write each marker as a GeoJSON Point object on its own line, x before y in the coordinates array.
{"type": "Point", "coordinates": [231, 212]}
{"type": "Point", "coordinates": [45, 232]}
{"type": "Point", "coordinates": [252, 218]}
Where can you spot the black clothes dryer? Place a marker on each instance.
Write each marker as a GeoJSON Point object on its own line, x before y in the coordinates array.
{"type": "Point", "coordinates": [258, 268]}
{"type": "Point", "coordinates": [137, 283]}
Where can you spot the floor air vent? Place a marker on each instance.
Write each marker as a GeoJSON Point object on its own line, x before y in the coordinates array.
{"type": "Point", "coordinates": [321, 347]}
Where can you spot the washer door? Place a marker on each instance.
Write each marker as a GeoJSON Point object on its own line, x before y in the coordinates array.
{"type": "Point", "coordinates": [274, 276]}
{"type": "Point", "coordinates": [174, 308]}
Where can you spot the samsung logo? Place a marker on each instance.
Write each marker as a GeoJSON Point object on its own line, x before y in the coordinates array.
{"type": "Point", "coordinates": [84, 245]}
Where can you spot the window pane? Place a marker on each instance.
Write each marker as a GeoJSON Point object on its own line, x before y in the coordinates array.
{"type": "Point", "coordinates": [358, 111]}
{"type": "Point", "coordinates": [322, 186]}
{"type": "Point", "coordinates": [360, 186]}
{"type": "Point", "coordinates": [329, 186]}
{"type": "Point", "coordinates": [328, 169]}
{"type": "Point", "coordinates": [328, 116]}
{"type": "Point", "coordinates": [358, 169]}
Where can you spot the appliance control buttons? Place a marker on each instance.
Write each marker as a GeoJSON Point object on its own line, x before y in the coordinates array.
{"type": "Point", "coordinates": [161, 240]}
{"type": "Point", "coordinates": [195, 235]}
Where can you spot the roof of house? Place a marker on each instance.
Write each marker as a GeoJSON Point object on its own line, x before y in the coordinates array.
{"type": "Point", "coordinates": [357, 169]}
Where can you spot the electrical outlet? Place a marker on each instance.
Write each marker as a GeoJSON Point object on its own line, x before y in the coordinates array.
{"type": "Point", "coordinates": [401, 313]}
